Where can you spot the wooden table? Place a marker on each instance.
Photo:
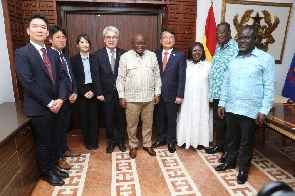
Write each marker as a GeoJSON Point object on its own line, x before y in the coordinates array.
{"type": "Point", "coordinates": [281, 119]}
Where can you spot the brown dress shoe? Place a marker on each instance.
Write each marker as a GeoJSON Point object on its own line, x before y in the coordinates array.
{"type": "Point", "coordinates": [133, 153]}
{"type": "Point", "coordinates": [150, 151]}
{"type": "Point", "coordinates": [63, 164]}
{"type": "Point", "coordinates": [70, 153]}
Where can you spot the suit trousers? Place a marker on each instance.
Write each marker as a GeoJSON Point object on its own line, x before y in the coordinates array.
{"type": "Point", "coordinates": [220, 126]}
{"type": "Point", "coordinates": [112, 110]}
{"type": "Point", "coordinates": [166, 115]}
{"type": "Point", "coordinates": [65, 118]}
{"type": "Point", "coordinates": [87, 110]}
{"type": "Point", "coordinates": [46, 128]}
{"type": "Point", "coordinates": [240, 130]}
{"type": "Point", "coordinates": [133, 111]}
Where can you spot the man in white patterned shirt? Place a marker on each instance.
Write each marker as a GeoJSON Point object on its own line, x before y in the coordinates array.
{"type": "Point", "coordinates": [139, 87]}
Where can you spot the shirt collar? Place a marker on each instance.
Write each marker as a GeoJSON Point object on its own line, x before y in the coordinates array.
{"type": "Point", "coordinates": [254, 52]}
{"type": "Point", "coordinates": [37, 46]}
{"type": "Point", "coordinates": [108, 50]}
{"type": "Point", "coordinates": [138, 54]}
{"type": "Point", "coordinates": [57, 50]}
{"type": "Point", "coordinates": [230, 42]}
{"type": "Point", "coordinates": [83, 57]}
{"type": "Point", "coordinates": [169, 51]}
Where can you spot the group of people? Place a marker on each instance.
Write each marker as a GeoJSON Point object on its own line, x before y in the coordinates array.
{"type": "Point", "coordinates": [136, 84]}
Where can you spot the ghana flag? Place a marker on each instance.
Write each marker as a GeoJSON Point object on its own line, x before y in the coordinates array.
{"type": "Point", "coordinates": [209, 39]}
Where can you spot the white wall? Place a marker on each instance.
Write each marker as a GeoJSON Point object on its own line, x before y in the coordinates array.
{"type": "Point", "coordinates": [6, 91]}
{"type": "Point", "coordinates": [281, 69]}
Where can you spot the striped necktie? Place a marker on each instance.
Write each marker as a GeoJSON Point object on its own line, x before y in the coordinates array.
{"type": "Point", "coordinates": [47, 64]}
{"type": "Point", "coordinates": [64, 63]}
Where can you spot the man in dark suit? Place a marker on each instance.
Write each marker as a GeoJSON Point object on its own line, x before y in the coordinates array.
{"type": "Point", "coordinates": [41, 75]}
{"type": "Point", "coordinates": [172, 63]}
{"type": "Point", "coordinates": [104, 74]}
{"type": "Point", "coordinates": [57, 38]}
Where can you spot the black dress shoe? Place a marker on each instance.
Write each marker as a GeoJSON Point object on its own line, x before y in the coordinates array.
{"type": "Point", "coordinates": [110, 148]}
{"type": "Point", "coordinates": [89, 147]}
{"type": "Point", "coordinates": [214, 150]}
{"type": "Point", "coordinates": [157, 144]}
{"type": "Point", "coordinates": [60, 173]}
{"type": "Point", "coordinates": [242, 177]}
{"type": "Point", "coordinates": [52, 179]}
{"type": "Point", "coordinates": [171, 148]}
{"type": "Point", "coordinates": [121, 146]}
{"type": "Point", "coordinates": [223, 158]}
{"type": "Point", "coordinates": [94, 146]}
{"type": "Point", "coordinates": [200, 147]}
{"type": "Point", "coordinates": [224, 166]}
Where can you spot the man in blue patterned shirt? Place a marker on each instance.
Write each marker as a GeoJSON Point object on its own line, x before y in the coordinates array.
{"type": "Point", "coordinates": [225, 49]}
{"type": "Point", "coordinates": [247, 96]}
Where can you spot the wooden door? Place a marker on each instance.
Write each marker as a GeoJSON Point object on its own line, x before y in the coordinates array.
{"type": "Point", "coordinates": [93, 25]}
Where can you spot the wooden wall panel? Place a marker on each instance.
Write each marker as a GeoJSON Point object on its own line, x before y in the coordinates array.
{"type": "Point", "coordinates": [78, 23]}
{"type": "Point", "coordinates": [181, 17]}
{"type": "Point", "coordinates": [14, 29]}
{"type": "Point", "coordinates": [46, 7]}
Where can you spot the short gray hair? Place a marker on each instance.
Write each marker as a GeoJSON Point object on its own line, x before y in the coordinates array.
{"type": "Point", "coordinates": [110, 28]}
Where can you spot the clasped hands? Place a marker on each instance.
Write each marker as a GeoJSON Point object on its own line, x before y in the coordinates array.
{"type": "Point", "coordinates": [56, 105]}
{"type": "Point", "coordinates": [89, 95]}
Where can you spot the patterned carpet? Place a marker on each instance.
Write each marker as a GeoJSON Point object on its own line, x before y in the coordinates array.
{"type": "Point", "coordinates": [186, 172]}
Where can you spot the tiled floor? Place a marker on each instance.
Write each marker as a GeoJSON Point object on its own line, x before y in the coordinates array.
{"type": "Point", "coordinates": [186, 172]}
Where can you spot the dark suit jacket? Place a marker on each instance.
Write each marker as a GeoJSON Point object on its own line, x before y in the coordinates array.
{"type": "Point", "coordinates": [78, 70]}
{"type": "Point", "coordinates": [33, 74]}
{"type": "Point", "coordinates": [173, 78]}
{"type": "Point", "coordinates": [103, 78]}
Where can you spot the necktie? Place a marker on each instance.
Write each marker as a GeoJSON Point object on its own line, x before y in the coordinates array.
{"type": "Point", "coordinates": [47, 64]}
{"type": "Point", "coordinates": [113, 61]}
{"type": "Point", "coordinates": [165, 60]}
{"type": "Point", "coordinates": [64, 63]}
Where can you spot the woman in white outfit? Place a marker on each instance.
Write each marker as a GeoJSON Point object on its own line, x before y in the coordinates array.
{"type": "Point", "coordinates": [194, 122]}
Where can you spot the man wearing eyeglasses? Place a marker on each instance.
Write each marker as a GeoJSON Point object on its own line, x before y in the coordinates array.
{"type": "Point", "coordinates": [104, 75]}
{"type": "Point", "coordinates": [139, 88]}
{"type": "Point", "coordinates": [172, 63]}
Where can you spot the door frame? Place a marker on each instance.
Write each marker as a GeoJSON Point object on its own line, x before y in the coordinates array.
{"type": "Point", "coordinates": [112, 8]}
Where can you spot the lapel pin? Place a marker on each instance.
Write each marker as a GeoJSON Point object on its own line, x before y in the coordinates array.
{"type": "Point", "coordinates": [173, 54]}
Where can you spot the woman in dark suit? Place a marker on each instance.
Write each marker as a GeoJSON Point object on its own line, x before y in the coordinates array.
{"type": "Point", "coordinates": [86, 104]}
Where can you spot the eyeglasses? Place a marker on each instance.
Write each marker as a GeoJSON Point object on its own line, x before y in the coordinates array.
{"type": "Point", "coordinates": [139, 43]}
{"type": "Point", "coordinates": [168, 37]}
{"type": "Point", "coordinates": [110, 37]}
{"type": "Point", "coordinates": [197, 50]}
